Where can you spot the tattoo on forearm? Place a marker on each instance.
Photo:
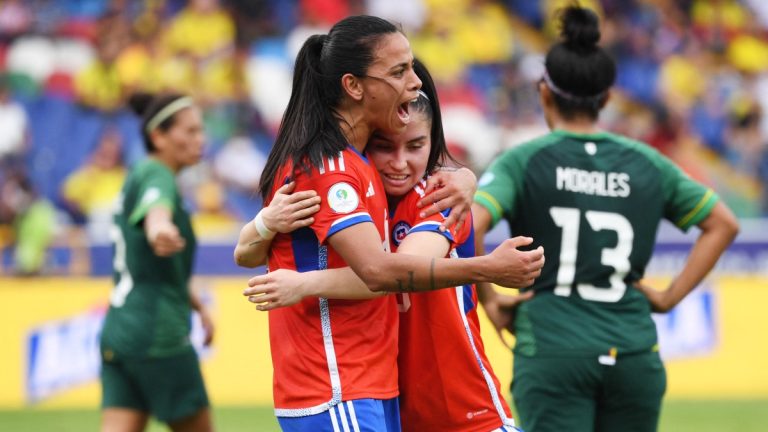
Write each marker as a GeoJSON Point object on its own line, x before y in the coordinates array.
{"type": "Point", "coordinates": [410, 287]}
{"type": "Point", "coordinates": [254, 243]}
{"type": "Point", "coordinates": [432, 274]}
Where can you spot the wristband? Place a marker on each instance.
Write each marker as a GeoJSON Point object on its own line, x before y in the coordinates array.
{"type": "Point", "coordinates": [261, 228]}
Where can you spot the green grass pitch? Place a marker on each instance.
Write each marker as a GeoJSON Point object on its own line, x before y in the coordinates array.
{"type": "Point", "coordinates": [677, 416]}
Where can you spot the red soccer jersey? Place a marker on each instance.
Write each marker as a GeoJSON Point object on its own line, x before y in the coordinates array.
{"type": "Point", "coordinates": [446, 381]}
{"type": "Point", "coordinates": [328, 351]}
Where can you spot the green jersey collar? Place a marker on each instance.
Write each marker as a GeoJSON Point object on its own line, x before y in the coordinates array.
{"type": "Point", "coordinates": [581, 136]}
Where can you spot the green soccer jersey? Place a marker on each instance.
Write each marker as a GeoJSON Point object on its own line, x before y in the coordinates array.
{"type": "Point", "coordinates": [149, 313]}
{"type": "Point", "coordinates": [594, 202]}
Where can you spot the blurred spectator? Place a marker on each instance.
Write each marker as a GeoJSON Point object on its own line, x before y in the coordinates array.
{"type": "Point", "coordinates": [89, 195]}
{"type": "Point", "coordinates": [212, 221]}
{"type": "Point", "coordinates": [15, 19]}
{"type": "Point", "coordinates": [14, 138]}
{"type": "Point", "coordinates": [484, 32]}
{"type": "Point", "coordinates": [409, 13]}
{"type": "Point", "coordinates": [239, 164]}
{"type": "Point", "coordinates": [98, 85]}
{"type": "Point", "coordinates": [326, 12]}
{"type": "Point", "coordinates": [201, 42]}
{"type": "Point", "coordinates": [91, 190]}
{"type": "Point", "coordinates": [30, 220]}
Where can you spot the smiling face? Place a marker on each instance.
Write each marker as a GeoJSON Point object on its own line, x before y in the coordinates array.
{"type": "Point", "coordinates": [390, 84]}
{"type": "Point", "coordinates": [182, 144]}
{"type": "Point", "coordinates": [401, 159]}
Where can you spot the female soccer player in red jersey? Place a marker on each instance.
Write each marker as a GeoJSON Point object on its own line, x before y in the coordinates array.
{"type": "Point", "coordinates": [338, 357]}
{"type": "Point", "coordinates": [446, 382]}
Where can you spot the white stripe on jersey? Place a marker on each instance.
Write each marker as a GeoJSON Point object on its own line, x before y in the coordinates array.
{"type": "Point", "coordinates": [330, 352]}
{"type": "Point", "coordinates": [420, 186]}
{"type": "Point", "coordinates": [492, 390]}
{"type": "Point", "coordinates": [353, 215]}
{"type": "Point", "coordinates": [332, 162]}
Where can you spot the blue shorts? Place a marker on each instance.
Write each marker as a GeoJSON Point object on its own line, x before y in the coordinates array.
{"type": "Point", "coordinates": [363, 415]}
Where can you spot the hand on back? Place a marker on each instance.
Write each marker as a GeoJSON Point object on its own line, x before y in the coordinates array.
{"type": "Point", "coordinates": [290, 211]}
{"type": "Point", "coordinates": [514, 268]}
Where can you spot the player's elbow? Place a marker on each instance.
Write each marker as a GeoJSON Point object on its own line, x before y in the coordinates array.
{"type": "Point", "coordinates": [244, 259]}
{"type": "Point", "coordinates": [373, 276]}
{"type": "Point", "coordinates": [732, 228]}
{"type": "Point", "coordinates": [728, 226]}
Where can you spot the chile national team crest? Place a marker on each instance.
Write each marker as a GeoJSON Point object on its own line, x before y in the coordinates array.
{"type": "Point", "coordinates": [399, 231]}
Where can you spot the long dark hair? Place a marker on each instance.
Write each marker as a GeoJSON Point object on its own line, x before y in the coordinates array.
{"type": "Point", "coordinates": [310, 127]}
{"type": "Point", "coordinates": [428, 103]}
{"type": "Point", "coordinates": [578, 71]}
{"type": "Point", "coordinates": [146, 106]}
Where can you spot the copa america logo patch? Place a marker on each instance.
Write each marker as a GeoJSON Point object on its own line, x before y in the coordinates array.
{"type": "Point", "coordinates": [399, 232]}
{"type": "Point", "coordinates": [342, 198]}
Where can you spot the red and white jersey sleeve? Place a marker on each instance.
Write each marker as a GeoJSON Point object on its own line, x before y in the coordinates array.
{"type": "Point", "coordinates": [328, 351]}
{"type": "Point", "coordinates": [407, 220]}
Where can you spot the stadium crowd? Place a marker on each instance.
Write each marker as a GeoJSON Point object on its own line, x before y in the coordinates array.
{"type": "Point", "coordinates": [693, 80]}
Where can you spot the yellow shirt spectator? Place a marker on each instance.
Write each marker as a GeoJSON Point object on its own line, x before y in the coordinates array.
{"type": "Point", "coordinates": [98, 86]}
{"type": "Point", "coordinates": [202, 45]}
{"type": "Point", "coordinates": [681, 81]}
{"type": "Point", "coordinates": [485, 34]}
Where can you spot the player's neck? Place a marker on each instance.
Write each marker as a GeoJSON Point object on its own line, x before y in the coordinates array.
{"type": "Point", "coordinates": [354, 128]}
{"type": "Point", "coordinates": [579, 125]}
{"type": "Point", "coordinates": [167, 161]}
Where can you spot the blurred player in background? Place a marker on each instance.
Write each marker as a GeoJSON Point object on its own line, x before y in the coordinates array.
{"type": "Point", "coordinates": [339, 357]}
{"type": "Point", "coordinates": [149, 366]}
{"type": "Point", "coordinates": [586, 355]}
{"type": "Point", "coordinates": [446, 382]}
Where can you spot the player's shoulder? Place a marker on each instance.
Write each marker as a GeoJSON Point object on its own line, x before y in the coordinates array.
{"type": "Point", "coordinates": [641, 149]}
{"type": "Point", "coordinates": [346, 163]}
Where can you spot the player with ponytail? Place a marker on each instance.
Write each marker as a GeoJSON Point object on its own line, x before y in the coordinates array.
{"type": "Point", "coordinates": [586, 351]}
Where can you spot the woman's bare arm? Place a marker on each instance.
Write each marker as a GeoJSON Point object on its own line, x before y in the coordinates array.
{"type": "Point", "coordinates": [718, 230]}
{"type": "Point", "coordinates": [360, 246]}
{"type": "Point", "coordinates": [286, 212]}
{"type": "Point", "coordinates": [287, 287]}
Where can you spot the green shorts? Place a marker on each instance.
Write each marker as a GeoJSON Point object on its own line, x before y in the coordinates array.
{"type": "Point", "coordinates": [583, 395]}
{"type": "Point", "coordinates": [169, 388]}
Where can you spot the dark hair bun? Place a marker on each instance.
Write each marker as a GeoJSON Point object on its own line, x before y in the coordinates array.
{"type": "Point", "coordinates": [580, 28]}
{"type": "Point", "coordinates": [139, 102]}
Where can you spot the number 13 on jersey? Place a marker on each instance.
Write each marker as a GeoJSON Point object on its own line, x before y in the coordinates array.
{"type": "Point", "coordinates": [569, 220]}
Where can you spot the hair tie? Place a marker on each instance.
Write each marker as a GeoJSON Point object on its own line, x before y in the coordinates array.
{"type": "Point", "coordinates": [565, 94]}
{"type": "Point", "coordinates": [169, 110]}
